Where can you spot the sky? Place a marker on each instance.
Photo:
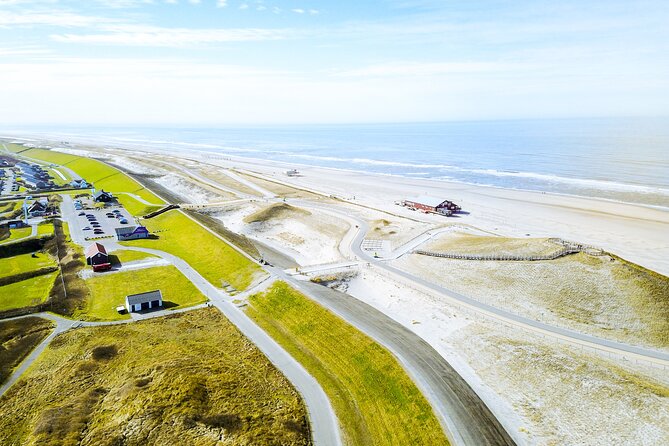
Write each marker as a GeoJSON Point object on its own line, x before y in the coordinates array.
{"type": "Point", "coordinates": [216, 62]}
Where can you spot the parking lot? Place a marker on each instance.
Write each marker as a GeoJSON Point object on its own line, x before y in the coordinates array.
{"type": "Point", "coordinates": [88, 222]}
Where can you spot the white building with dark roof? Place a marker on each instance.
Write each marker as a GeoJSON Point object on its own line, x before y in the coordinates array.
{"type": "Point", "coordinates": [143, 301]}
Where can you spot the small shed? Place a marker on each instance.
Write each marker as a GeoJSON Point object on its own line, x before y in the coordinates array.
{"type": "Point", "coordinates": [131, 232]}
{"type": "Point", "coordinates": [97, 257]}
{"type": "Point", "coordinates": [433, 205]}
{"type": "Point", "coordinates": [143, 301]}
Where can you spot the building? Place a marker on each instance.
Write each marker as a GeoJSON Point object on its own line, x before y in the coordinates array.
{"type": "Point", "coordinates": [79, 184]}
{"type": "Point", "coordinates": [38, 208]}
{"type": "Point", "coordinates": [432, 205]}
{"type": "Point", "coordinates": [131, 232]}
{"type": "Point", "coordinates": [102, 197]}
{"type": "Point", "coordinates": [16, 224]}
{"type": "Point", "coordinates": [97, 257]}
{"type": "Point", "coordinates": [144, 301]}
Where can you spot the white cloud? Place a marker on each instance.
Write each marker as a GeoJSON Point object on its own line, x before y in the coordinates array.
{"type": "Point", "coordinates": [54, 18]}
{"type": "Point", "coordinates": [141, 35]}
{"type": "Point", "coordinates": [298, 10]}
{"type": "Point", "coordinates": [221, 3]}
{"type": "Point", "coordinates": [415, 69]}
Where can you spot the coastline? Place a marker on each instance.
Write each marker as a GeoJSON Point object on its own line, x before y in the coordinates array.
{"type": "Point", "coordinates": [637, 232]}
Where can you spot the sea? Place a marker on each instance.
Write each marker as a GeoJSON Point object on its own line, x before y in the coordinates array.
{"type": "Point", "coordinates": [621, 159]}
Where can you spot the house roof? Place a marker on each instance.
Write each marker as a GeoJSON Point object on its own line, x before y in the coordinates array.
{"type": "Point", "coordinates": [127, 230]}
{"type": "Point", "coordinates": [101, 193]}
{"type": "Point", "coordinates": [95, 248]}
{"type": "Point", "coordinates": [134, 299]}
{"type": "Point", "coordinates": [426, 200]}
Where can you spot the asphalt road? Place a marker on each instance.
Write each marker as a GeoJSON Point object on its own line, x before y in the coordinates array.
{"type": "Point", "coordinates": [467, 419]}
{"type": "Point", "coordinates": [324, 423]}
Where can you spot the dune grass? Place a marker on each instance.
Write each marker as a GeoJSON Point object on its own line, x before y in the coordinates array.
{"type": "Point", "coordinates": [26, 292]}
{"type": "Point", "coordinates": [217, 261]}
{"type": "Point", "coordinates": [276, 211]}
{"type": "Point", "coordinates": [18, 338]}
{"type": "Point", "coordinates": [189, 379]}
{"type": "Point", "coordinates": [134, 206]}
{"type": "Point", "coordinates": [375, 400]}
{"type": "Point", "coordinates": [464, 243]}
{"type": "Point", "coordinates": [10, 266]}
{"type": "Point", "coordinates": [108, 290]}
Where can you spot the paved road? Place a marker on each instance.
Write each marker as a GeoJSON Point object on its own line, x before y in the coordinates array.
{"type": "Point", "coordinates": [324, 424]}
{"type": "Point", "coordinates": [465, 416]}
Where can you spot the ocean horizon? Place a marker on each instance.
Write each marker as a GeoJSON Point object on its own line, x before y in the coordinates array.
{"type": "Point", "coordinates": [622, 159]}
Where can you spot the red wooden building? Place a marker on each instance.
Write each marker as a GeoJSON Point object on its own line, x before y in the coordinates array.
{"type": "Point", "coordinates": [432, 205]}
{"type": "Point", "coordinates": [97, 257]}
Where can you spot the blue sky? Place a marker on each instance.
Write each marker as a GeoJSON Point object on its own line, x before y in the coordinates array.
{"type": "Point", "coordinates": [307, 61]}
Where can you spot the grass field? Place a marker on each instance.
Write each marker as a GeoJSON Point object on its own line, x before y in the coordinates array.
{"type": "Point", "coordinates": [100, 174]}
{"type": "Point", "coordinates": [108, 290]}
{"type": "Point", "coordinates": [375, 400]}
{"type": "Point", "coordinates": [44, 228]}
{"type": "Point", "coordinates": [134, 206]}
{"type": "Point", "coordinates": [10, 266]}
{"type": "Point", "coordinates": [8, 208]}
{"type": "Point", "coordinates": [190, 379]}
{"type": "Point", "coordinates": [210, 256]}
{"type": "Point", "coordinates": [121, 256]}
{"type": "Point", "coordinates": [17, 339]}
{"type": "Point", "coordinates": [26, 292]}
{"type": "Point", "coordinates": [15, 234]}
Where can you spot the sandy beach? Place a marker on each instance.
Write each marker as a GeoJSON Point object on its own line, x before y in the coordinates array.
{"type": "Point", "coordinates": [540, 386]}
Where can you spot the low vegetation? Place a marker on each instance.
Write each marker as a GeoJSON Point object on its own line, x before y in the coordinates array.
{"type": "Point", "coordinates": [24, 293]}
{"type": "Point", "coordinates": [217, 261]}
{"type": "Point", "coordinates": [190, 379]}
{"type": "Point", "coordinates": [17, 234]}
{"type": "Point", "coordinates": [25, 262]}
{"type": "Point", "coordinates": [601, 295]}
{"type": "Point", "coordinates": [374, 399]}
{"type": "Point", "coordinates": [464, 243]}
{"type": "Point", "coordinates": [239, 240]}
{"type": "Point", "coordinates": [108, 290]}
{"type": "Point", "coordinates": [275, 212]}
{"type": "Point", "coordinates": [18, 338]}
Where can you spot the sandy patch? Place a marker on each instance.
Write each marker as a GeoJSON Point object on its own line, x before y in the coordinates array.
{"type": "Point", "coordinates": [190, 192]}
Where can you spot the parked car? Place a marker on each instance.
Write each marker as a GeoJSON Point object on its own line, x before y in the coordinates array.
{"type": "Point", "coordinates": [123, 221]}
{"type": "Point", "coordinates": [98, 231]}
{"type": "Point", "coordinates": [81, 214]}
{"type": "Point", "coordinates": [87, 228]}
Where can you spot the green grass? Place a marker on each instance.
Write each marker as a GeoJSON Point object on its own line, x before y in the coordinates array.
{"type": "Point", "coordinates": [16, 234]}
{"type": "Point", "coordinates": [27, 292]}
{"type": "Point", "coordinates": [135, 207]}
{"type": "Point", "coordinates": [7, 208]}
{"type": "Point", "coordinates": [45, 228]}
{"type": "Point", "coordinates": [17, 339]}
{"type": "Point", "coordinates": [122, 256]}
{"type": "Point", "coordinates": [188, 379]}
{"type": "Point", "coordinates": [10, 266]}
{"type": "Point", "coordinates": [375, 400]}
{"type": "Point", "coordinates": [101, 175]}
{"type": "Point", "coordinates": [210, 256]}
{"type": "Point", "coordinates": [108, 290]}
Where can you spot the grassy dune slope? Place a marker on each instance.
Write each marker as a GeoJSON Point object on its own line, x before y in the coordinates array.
{"type": "Point", "coordinates": [189, 379]}
{"type": "Point", "coordinates": [17, 339]}
{"type": "Point", "coordinates": [100, 174]}
{"type": "Point", "coordinates": [26, 292]}
{"type": "Point", "coordinates": [374, 399]}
